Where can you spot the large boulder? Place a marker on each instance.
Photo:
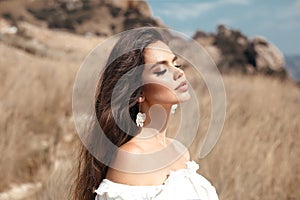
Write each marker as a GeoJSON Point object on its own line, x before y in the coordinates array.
{"type": "Point", "coordinates": [268, 58]}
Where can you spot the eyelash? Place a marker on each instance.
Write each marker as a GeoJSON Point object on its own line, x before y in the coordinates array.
{"type": "Point", "coordinates": [164, 71]}
{"type": "Point", "coordinates": [160, 73]}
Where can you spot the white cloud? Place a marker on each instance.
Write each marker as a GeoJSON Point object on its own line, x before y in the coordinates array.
{"type": "Point", "coordinates": [284, 17]}
{"type": "Point", "coordinates": [290, 12]}
{"type": "Point", "coordinates": [236, 2]}
{"type": "Point", "coordinates": [188, 10]}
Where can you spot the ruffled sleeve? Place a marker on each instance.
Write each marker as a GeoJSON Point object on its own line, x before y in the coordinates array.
{"type": "Point", "coordinates": [203, 187]}
{"type": "Point", "coordinates": [181, 184]}
{"type": "Point", "coordinates": [188, 184]}
{"type": "Point", "coordinates": [109, 190]}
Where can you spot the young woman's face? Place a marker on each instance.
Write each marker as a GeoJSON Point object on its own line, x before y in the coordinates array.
{"type": "Point", "coordinates": [165, 83]}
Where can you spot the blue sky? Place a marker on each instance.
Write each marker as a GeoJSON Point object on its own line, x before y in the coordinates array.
{"type": "Point", "coordinates": [276, 20]}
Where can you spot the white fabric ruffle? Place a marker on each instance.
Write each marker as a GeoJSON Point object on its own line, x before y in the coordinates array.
{"type": "Point", "coordinates": [182, 184]}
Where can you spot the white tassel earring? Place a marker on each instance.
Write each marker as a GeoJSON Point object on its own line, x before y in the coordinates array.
{"type": "Point", "coordinates": [140, 117]}
{"type": "Point", "coordinates": [173, 108]}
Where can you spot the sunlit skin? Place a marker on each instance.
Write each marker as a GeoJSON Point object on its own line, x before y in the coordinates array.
{"type": "Point", "coordinates": [162, 77]}
{"type": "Point", "coordinates": [162, 67]}
{"type": "Point", "coordinates": [164, 85]}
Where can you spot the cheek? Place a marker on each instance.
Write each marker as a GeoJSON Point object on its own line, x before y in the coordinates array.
{"type": "Point", "coordinates": [156, 93]}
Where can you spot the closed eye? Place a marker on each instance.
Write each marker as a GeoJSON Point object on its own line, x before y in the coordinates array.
{"type": "Point", "coordinates": [160, 72]}
{"type": "Point", "coordinates": [178, 66]}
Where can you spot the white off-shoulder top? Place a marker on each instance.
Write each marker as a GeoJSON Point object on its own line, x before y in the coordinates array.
{"type": "Point", "coordinates": [182, 184]}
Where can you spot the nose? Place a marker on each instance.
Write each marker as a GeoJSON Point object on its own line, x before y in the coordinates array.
{"type": "Point", "coordinates": [178, 73]}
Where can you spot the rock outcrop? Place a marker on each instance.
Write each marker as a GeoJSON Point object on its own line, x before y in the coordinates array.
{"type": "Point", "coordinates": [268, 57]}
{"type": "Point", "coordinates": [91, 17]}
{"type": "Point", "coordinates": [233, 51]}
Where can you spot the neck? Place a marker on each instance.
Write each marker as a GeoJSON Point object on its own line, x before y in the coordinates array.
{"type": "Point", "coordinates": [156, 123]}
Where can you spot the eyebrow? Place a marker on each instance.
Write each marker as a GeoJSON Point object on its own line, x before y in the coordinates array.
{"type": "Point", "coordinates": [163, 62]}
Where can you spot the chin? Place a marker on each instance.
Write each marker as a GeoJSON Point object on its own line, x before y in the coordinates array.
{"type": "Point", "coordinates": [184, 97]}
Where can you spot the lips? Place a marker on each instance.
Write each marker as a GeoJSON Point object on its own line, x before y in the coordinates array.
{"type": "Point", "coordinates": [182, 85]}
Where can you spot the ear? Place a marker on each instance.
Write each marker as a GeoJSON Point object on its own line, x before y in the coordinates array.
{"type": "Point", "coordinates": [141, 99]}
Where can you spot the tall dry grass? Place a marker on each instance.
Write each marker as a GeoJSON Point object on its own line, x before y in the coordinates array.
{"type": "Point", "coordinates": [258, 154]}
{"type": "Point", "coordinates": [256, 157]}
{"type": "Point", "coordinates": [34, 101]}
{"type": "Point", "coordinates": [36, 107]}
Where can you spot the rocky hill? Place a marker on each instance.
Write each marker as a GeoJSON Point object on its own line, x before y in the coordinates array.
{"type": "Point", "coordinates": [230, 49]}
{"type": "Point", "coordinates": [99, 17]}
{"type": "Point", "coordinates": [233, 51]}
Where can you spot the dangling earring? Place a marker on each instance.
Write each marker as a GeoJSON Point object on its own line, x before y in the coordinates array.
{"type": "Point", "coordinates": [140, 117]}
{"type": "Point", "coordinates": [173, 108]}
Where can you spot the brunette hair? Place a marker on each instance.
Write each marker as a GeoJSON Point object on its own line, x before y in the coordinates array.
{"type": "Point", "coordinates": [120, 63]}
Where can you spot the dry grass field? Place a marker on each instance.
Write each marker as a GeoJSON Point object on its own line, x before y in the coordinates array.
{"type": "Point", "coordinates": [256, 157]}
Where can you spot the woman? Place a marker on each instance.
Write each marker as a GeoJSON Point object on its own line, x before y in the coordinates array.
{"type": "Point", "coordinates": [137, 92]}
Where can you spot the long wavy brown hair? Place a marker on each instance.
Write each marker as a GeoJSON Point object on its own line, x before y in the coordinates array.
{"type": "Point", "coordinates": [121, 62]}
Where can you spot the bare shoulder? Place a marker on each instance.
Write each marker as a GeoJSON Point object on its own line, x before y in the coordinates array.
{"type": "Point", "coordinates": [124, 158]}
{"type": "Point", "coordinates": [180, 147]}
{"type": "Point", "coordinates": [123, 177]}
{"type": "Point", "coordinates": [131, 147]}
